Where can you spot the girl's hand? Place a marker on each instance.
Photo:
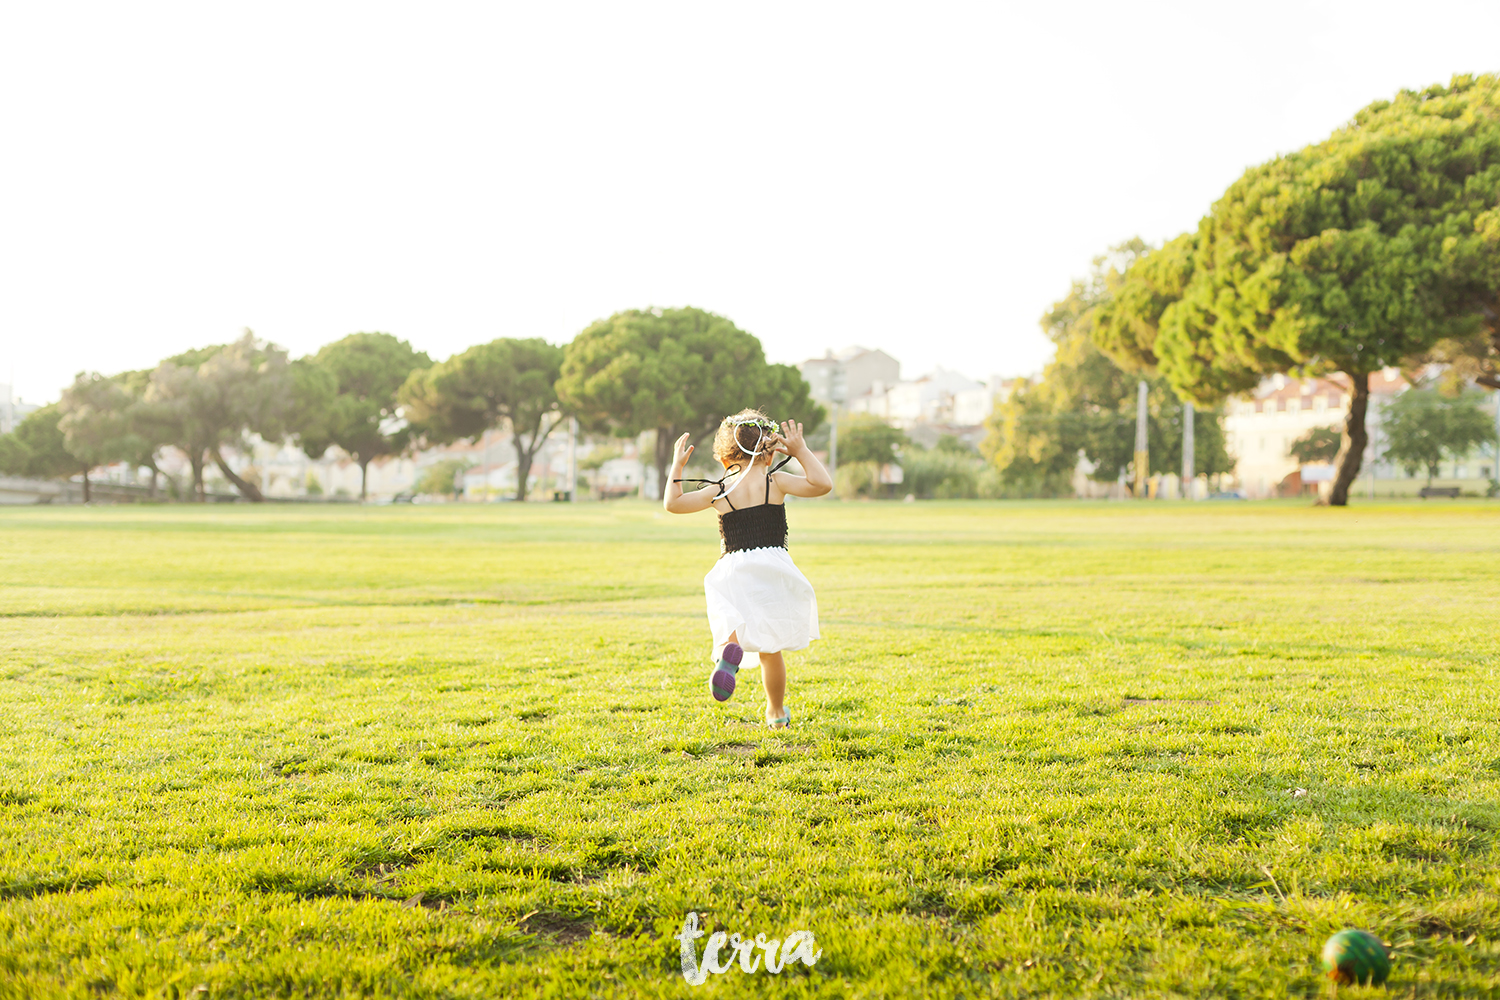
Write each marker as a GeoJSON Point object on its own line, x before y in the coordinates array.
{"type": "Point", "coordinates": [680, 452]}
{"type": "Point", "coordinates": [790, 438]}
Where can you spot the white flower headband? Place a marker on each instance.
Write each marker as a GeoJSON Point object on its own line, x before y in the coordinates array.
{"type": "Point", "coordinates": [760, 423]}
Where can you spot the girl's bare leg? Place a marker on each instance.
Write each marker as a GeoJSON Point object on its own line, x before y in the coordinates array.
{"type": "Point", "coordinates": [773, 677]}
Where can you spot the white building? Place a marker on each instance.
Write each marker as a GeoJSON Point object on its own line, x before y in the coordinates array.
{"type": "Point", "coordinates": [941, 403]}
{"type": "Point", "coordinates": [1261, 427]}
{"type": "Point", "coordinates": [12, 409]}
{"type": "Point", "coordinates": [943, 397]}
{"type": "Point", "coordinates": [849, 373]}
{"type": "Point", "coordinates": [623, 476]}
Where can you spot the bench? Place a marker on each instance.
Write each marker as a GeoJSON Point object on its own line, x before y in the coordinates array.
{"type": "Point", "coordinates": [1438, 491]}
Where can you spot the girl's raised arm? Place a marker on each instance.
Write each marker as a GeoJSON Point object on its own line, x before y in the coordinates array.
{"type": "Point", "coordinates": [815, 481]}
{"type": "Point", "coordinates": [673, 499]}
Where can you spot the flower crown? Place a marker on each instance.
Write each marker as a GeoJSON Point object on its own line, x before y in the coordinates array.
{"type": "Point", "coordinates": [763, 424]}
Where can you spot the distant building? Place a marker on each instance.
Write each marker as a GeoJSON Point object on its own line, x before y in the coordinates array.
{"type": "Point", "coordinates": [853, 370]}
{"type": "Point", "coordinates": [623, 476]}
{"type": "Point", "coordinates": [1259, 428]}
{"type": "Point", "coordinates": [943, 397]}
{"type": "Point", "coordinates": [941, 403]}
{"type": "Point", "coordinates": [12, 409]}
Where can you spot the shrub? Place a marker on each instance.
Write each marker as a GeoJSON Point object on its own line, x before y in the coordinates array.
{"type": "Point", "coordinates": [941, 475]}
{"type": "Point", "coordinates": [857, 479]}
{"type": "Point", "coordinates": [443, 478]}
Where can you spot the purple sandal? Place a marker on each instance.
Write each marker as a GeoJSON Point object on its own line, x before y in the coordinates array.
{"type": "Point", "coordinates": [721, 681]}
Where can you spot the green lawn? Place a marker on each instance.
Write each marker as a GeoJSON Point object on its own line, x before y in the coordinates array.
{"type": "Point", "coordinates": [1076, 749]}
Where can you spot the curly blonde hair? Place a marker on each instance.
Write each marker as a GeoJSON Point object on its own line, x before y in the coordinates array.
{"type": "Point", "coordinates": [744, 437]}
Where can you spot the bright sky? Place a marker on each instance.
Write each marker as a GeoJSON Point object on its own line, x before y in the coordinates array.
{"type": "Point", "coordinates": [924, 177]}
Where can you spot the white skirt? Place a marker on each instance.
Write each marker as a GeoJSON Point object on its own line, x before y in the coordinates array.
{"type": "Point", "coordinates": [763, 598]}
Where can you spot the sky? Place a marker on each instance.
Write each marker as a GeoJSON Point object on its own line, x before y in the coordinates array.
{"type": "Point", "coordinates": [921, 178]}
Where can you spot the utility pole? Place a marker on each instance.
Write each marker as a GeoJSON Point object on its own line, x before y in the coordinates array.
{"type": "Point", "coordinates": [1142, 458]}
{"type": "Point", "coordinates": [833, 438]}
{"type": "Point", "coordinates": [572, 459]}
{"type": "Point", "coordinates": [1495, 469]}
{"type": "Point", "coordinates": [838, 384]}
{"type": "Point", "coordinates": [1189, 472]}
{"type": "Point", "coordinates": [486, 495]}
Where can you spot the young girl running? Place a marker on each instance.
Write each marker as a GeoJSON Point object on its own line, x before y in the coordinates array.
{"type": "Point", "coordinates": [758, 601]}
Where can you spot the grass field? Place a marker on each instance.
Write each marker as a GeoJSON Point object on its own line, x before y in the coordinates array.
{"type": "Point", "coordinates": [1069, 749]}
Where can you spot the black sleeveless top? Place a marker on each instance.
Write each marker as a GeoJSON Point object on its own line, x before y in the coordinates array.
{"type": "Point", "coordinates": [760, 527]}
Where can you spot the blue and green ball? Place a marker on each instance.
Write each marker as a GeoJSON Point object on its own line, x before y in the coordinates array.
{"type": "Point", "coordinates": [1355, 956]}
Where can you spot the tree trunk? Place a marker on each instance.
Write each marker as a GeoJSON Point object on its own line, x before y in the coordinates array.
{"type": "Point", "coordinates": [1352, 448]}
{"type": "Point", "coordinates": [247, 490]}
{"type": "Point", "coordinates": [523, 469]}
{"type": "Point", "coordinates": [665, 436]}
{"type": "Point", "coordinates": [87, 494]}
{"type": "Point", "coordinates": [525, 452]}
{"type": "Point", "coordinates": [196, 460]}
{"type": "Point", "coordinates": [155, 472]}
{"type": "Point", "coordinates": [364, 477]}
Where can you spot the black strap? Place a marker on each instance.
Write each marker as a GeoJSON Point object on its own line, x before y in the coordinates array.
{"type": "Point", "coordinates": [723, 493]}
{"type": "Point", "coordinates": [774, 469]}
{"type": "Point", "coordinates": [714, 482]}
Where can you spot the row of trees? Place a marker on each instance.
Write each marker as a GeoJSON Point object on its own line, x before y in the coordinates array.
{"type": "Point", "coordinates": [371, 394]}
{"type": "Point", "coordinates": [1378, 247]}
{"type": "Point", "coordinates": [1084, 404]}
{"type": "Point", "coordinates": [205, 401]}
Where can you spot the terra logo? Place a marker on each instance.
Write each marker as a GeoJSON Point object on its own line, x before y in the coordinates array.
{"type": "Point", "coordinates": [798, 946]}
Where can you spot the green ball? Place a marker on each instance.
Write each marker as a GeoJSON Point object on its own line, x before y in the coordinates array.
{"type": "Point", "coordinates": [1352, 956]}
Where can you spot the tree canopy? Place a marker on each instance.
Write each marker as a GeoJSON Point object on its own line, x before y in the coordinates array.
{"type": "Point", "coordinates": [38, 448]}
{"type": "Point", "coordinates": [1353, 254]}
{"type": "Point", "coordinates": [366, 372]}
{"type": "Point", "coordinates": [95, 421]}
{"type": "Point", "coordinates": [675, 371]}
{"type": "Point", "coordinates": [205, 399]}
{"type": "Point", "coordinates": [1321, 444]}
{"type": "Point", "coordinates": [505, 381]}
{"type": "Point", "coordinates": [101, 420]}
{"type": "Point", "coordinates": [443, 478]}
{"type": "Point", "coordinates": [864, 437]}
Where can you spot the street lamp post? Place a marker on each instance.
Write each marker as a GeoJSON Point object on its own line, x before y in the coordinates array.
{"type": "Point", "coordinates": [1189, 472]}
{"type": "Point", "coordinates": [486, 494]}
{"type": "Point", "coordinates": [572, 459]}
{"type": "Point", "coordinates": [838, 384]}
{"type": "Point", "coordinates": [1142, 459]}
{"type": "Point", "coordinates": [1496, 468]}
